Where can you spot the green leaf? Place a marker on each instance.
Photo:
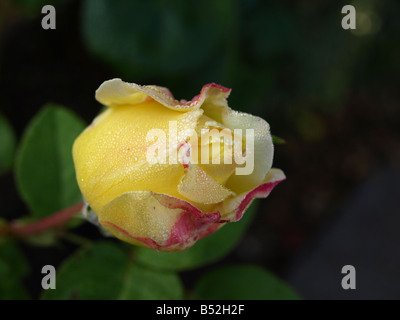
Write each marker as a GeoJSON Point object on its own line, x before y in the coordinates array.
{"type": "Point", "coordinates": [7, 145]}
{"type": "Point", "coordinates": [76, 221]}
{"type": "Point", "coordinates": [247, 282]}
{"type": "Point", "coordinates": [92, 273]}
{"type": "Point", "coordinates": [10, 285]}
{"type": "Point", "coordinates": [44, 168]}
{"type": "Point", "coordinates": [104, 271]}
{"type": "Point", "coordinates": [205, 251]}
{"type": "Point", "coordinates": [11, 253]}
{"type": "Point", "coordinates": [277, 140]}
{"type": "Point", "coordinates": [45, 239]}
{"type": "Point", "coordinates": [147, 284]}
{"type": "Point", "coordinates": [156, 38]}
{"type": "Point", "coordinates": [13, 267]}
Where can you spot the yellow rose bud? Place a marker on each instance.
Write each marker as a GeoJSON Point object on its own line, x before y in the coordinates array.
{"type": "Point", "coordinates": [164, 173]}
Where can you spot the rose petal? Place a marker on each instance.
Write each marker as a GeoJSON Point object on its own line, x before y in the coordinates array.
{"type": "Point", "coordinates": [233, 209]}
{"type": "Point", "coordinates": [167, 223]}
{"type": "Point", "coordinates": [111, 156]}
{"type": "Point", "coordinates": [263, 149]}
{"type": "Point", "coordinates": [198, 186]}
{"type": "Point", "coordinates": [187, 201]}
{"type": "Point", "coordinates": [159, 221]}
{"type": "Point", "coordinates": [116, 92]}
{"type": "Point", "coordinates": [218, 110]}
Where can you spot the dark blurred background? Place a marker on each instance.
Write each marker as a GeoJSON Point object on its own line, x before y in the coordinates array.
{"type": "Point", "coordinates": [331, 93]}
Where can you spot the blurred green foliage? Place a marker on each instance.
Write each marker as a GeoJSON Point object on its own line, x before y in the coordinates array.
{"type": "Point", "coordinates": [13, 268]}
{"type": "Point", "coordinates": [295, 53]}
{"type": "Point", "coordinates": [156, 38]}
{"type": "Point", "coordinates": [104, 271]}
{"type": "Point", "coordinates": [7, 145]}
{"type": "Point", "coordinates": [239, 281]}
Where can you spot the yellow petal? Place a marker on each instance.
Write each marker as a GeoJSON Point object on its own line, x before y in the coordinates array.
{"type": "Point", "coordinates": [198, 186]}
{"type": "Point", "coordinates": [110, 156]}
{"type": "Point", "coordinates": [263, 150]}
{"type": "Point", "coordinates": [157, 221]}
{"type": "Point", "coordinates": [116, 92]}
{"type": "Point", "coordinates": [138, 215]}
{"type": "Point", "coordinates": [233, 208]}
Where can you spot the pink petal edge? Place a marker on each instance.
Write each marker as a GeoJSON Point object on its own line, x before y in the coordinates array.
{"type": "Point", "coordinates": [195, 99]}
{"type": "Point", "coordinates": [193, 225]}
